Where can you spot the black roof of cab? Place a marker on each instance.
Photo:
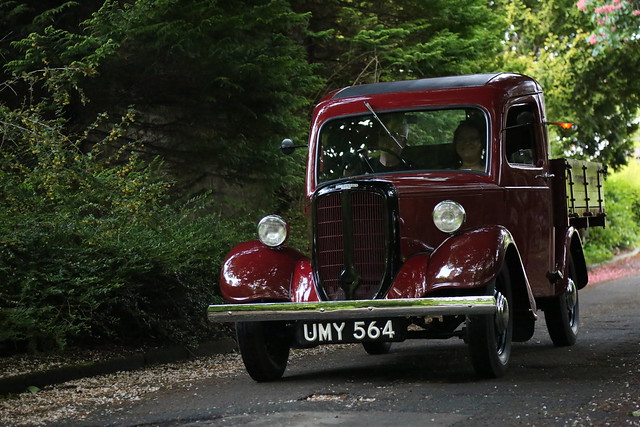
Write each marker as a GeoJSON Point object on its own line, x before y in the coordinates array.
{"type": "Point", "coordinates": [470, 80]}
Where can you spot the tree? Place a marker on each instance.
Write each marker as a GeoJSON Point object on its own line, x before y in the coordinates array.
{"type": "Point", "coordinates": [370, 41]}
{"type": "Point", "coordinates": [215, 89]}
{"type": "Point", "coordinates": [599, 93]}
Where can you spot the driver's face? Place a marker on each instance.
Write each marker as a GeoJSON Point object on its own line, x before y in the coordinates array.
{"type": "Point", "coordinates": [468, 144]}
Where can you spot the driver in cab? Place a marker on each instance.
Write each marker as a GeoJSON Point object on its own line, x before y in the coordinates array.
{"type": "Point", "coordinates": [392, 138]}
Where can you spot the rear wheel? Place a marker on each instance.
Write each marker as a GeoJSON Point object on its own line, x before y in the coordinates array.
{"type": "Point", "coordinates": [489, 336]}
{"type": "Point", "coordinates": [376, 347]}
{"type": "Point", "coordinates": [562, 313]}
{"type": "Point", "coordinates": [264, 347]}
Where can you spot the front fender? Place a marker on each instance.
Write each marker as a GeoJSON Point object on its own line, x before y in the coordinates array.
{"type": "Point", "coordinates": [253, 271]}
{"type": "Point", "coordinates": [468, 260]}
{"type": "Point", "coordinates": [303, 285]}
{"type": "Point", "coordinates": [463, 261]}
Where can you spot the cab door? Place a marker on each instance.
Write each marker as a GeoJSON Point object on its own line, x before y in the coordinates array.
{"type": "Point", "coordinates": [526, 179]}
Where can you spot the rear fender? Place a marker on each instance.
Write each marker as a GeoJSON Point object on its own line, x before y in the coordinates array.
{"type": "Point", "coordinates": [572, 244]}
{"type": "Point", "coordinates": [255, 272]}
{"type": "Point", "coordinates": [579, 261]}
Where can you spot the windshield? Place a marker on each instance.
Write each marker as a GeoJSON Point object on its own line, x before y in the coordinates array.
{"type": "Point", "coordinates": [383, 143]}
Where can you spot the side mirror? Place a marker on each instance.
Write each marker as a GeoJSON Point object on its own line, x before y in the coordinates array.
{"type": "Point", "coordinates": [287, 146]}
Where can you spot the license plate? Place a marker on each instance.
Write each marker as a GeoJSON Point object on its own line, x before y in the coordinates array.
{"type": "Point", "coordinates": [351, 331]}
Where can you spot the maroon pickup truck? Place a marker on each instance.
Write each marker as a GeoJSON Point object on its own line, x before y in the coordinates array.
{"type": "Point", "coordinates": [435, 213]}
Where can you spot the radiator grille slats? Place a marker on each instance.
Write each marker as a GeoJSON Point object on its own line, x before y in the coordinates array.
{"type": "Point", "coordinates": [330, 242]}
{"type": "Point", "coordinates": [363, 214]}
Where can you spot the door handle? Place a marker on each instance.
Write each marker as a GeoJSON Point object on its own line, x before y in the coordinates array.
{"type": "Point", "coordinates": [546, 175]}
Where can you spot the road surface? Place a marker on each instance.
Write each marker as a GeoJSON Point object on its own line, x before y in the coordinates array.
{"type": "Point", "coordinates": [595, 382]}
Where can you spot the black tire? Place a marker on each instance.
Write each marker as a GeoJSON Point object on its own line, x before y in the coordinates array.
{"type": "Point", "coordinates": [562, 313]}
{"type": "Point", "coordinates": [490, 336]}
{"type": "Point", "coordinates": [374, 348]}
{"type": "Point", "coordinates": [264, 347]}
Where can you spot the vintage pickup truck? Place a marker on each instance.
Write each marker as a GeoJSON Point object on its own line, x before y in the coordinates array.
{"type": "Point", "coordinates": [435, 213]}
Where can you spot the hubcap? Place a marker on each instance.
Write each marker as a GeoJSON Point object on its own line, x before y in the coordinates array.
{"type": "Point", "coordinates": [502, 313]}
{"type": "Point", "coordinates": [571, 294]}
{"type": "Point", "coordinates": [571, 297]}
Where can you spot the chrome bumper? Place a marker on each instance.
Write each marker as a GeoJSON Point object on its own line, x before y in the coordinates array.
{"type": "Point", "coordinates": [353, 309]}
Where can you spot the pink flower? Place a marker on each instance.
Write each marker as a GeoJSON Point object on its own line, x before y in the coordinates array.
{"type": "Point", "coordinates": [593, 39]}
{"type": "Point", "coordinates": [636, 12]}
{"type": "Point", "coordinates": [607, 8]}
{"type": "Point", "coordinates": [582, 5]}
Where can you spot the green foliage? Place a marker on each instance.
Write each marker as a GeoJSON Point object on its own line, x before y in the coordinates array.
{"type": "Point", "coordinates": [599, 94]}
{"type": "Point", "coordinates": [216, 88]}
{"type": "Point", "coordinates": [90, 246]}
{"type": "Point", "coordinates": [622, 199]}
{"type": "Point", "coordinates": [370, 41]}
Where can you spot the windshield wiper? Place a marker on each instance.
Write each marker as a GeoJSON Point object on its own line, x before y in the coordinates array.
{"type": "Point", "coordinates": [375, 116]}
{"type": "Point", "coordinates": [362, 153]}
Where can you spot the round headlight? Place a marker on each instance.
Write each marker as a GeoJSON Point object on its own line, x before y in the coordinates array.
{"type": "Point", "coordinates": [448, 216]}
{"type": "Point", "coordinates": [272, 230]}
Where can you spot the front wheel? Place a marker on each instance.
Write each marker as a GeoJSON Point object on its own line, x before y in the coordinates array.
{"type": "Point", "coordinates": [562, 313]}
{"type": "Point", "coordinates": [264, 347]}
{"type": "Point", "coordinates": [490, 336]}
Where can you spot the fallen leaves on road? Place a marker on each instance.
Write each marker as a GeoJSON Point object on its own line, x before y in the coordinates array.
{"type": "Point", "coordinates": [615, 270]}
{"type": "Point", "coordinates": [77, 399]}
{"type": "Point", "coordinates": [80, 398]}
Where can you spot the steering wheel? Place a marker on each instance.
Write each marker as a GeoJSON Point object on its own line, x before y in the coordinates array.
{"type": "Point", "coordinates": [397, 156]}
{"type": "Point", "coordinates": [364, 164]}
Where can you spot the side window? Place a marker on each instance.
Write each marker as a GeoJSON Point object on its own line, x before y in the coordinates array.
{"type": "Point", "coordinates": [520, 135]}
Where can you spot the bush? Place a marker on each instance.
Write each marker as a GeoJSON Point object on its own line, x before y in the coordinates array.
{"type": "Point", "coordinates": [90, 247]}
{"type": "Point", "coordinates": [622, 204]}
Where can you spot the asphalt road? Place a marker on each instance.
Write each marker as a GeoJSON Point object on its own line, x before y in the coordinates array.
{"type": "Point", "coordinates": [595, 382]}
